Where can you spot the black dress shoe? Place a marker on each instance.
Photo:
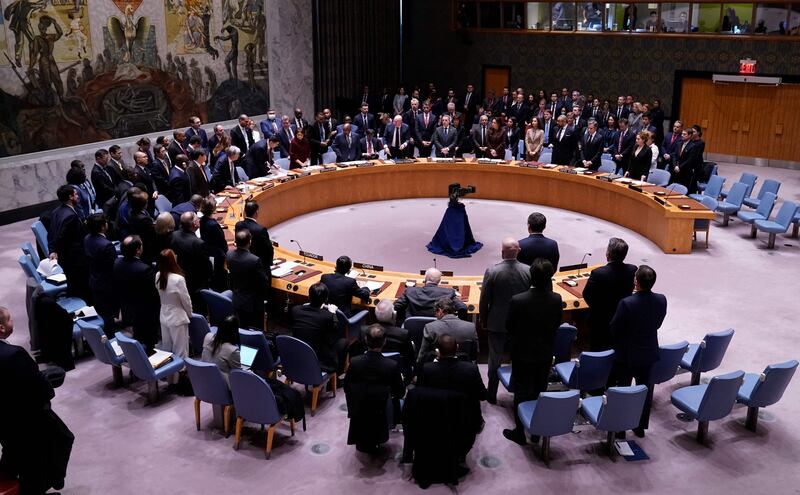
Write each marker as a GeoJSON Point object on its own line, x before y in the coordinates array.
{"type": "Point", "coordinates": [515, 436]}
{"type": "Point", "coordinates": [639, 432]}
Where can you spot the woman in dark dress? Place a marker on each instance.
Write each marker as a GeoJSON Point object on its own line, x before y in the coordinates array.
{"type": "Point", "coordinates": [496, 140]}
{"type": "Point", "coordinates": [639, 167]}
{"type": "Point", "coordinates": [299, 150]}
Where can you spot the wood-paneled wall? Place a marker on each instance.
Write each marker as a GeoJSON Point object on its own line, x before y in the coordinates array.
{"type": "Point", "coordinates": [744, 119]}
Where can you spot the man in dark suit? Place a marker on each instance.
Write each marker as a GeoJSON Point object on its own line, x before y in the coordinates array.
{"type": "Point", "coordinates": [196, 171]}
{"type": "Point", "coordinates": [159, 170]}
{"type": "Point", "coordinates": [143, 176]}
{"type": "Point", "coordinates": [365, 120]}
{"type": "Point", "coordinates": [270, 125]}
{"type": "Point", "coordinates": [256, 161]}
{"type": "Point", "coordinates": [621, 111]}
{"type": "Point", "coordinates": [242, 135]}
{"type": "Point", "coordinates": [479, 132]}
{"type": "Point", "coordinates": [196, 130]}
{"type": "Point", "coordinates": [346, 145]}
{"type": "Point", "coordinates": [623, 148]}
{"type": "Point", "coordinates": [341, 288]}
{"type": "Point", "coordinates": [104, 178]}
{"type": "Point", "coordinates": [591, 146]}
{"type": "Point", "coordinates": [193, 204]}
{"type": "Point", "coordinates": [410, 117]}
{"type": "Point", "coordinates": [371, 380]}
{"type": "Point", "coordinates": [65, 242]}
{"type": "Point", "coordinates": [213, 236]}
{"type": "Point", "coordinates": [536, 245]}
{"type": "Point", "coordinates": [178, 145]}
{"type": "Point", "coordinates": [519, 109]}
{"type": "Point", "coordinates": [101, 255]}
{"type": "Point", "coordinates": [564, 143]}
{"type": "Point", "coordinates": [134, 282]}
{"type": "Point", "coordinates": [285, 135]}
{"type": "Point", "coordinates": [316, 326]}
{"type": "Point", "coordinates": [634, 330]}
{"type": "Point", "coordinates": [397, 338]}
{"type": "Point", "coordinates": [249, 282]}
{"type": "Point", "coordinates": [606, 287]}
{"type": "Point", "coordinates": [141, 223]}
{"type": "Point", "coordinates": [469, 103]}
{"type": "Point", "coordinates": [687, 161]}
{"type": "Point", "coordinates": [368, 146]}
{"type": "Point", "coordinates": [445, 139]}
{"type": "Point", "coordinates": [260, 246]}
{"type": "Point", "coordinates": [504, 102]}
{"type": "Point", "coordinates": [533, 318]}
{"type": "Point", "coordinates": [225, 174]}
{"type": "Point", "coordinates": [578, 122]}
{"type": "Point", "coordinates": [213, 141]}
{"type": "Point", "coordinates": [447, 322]}
{"type": "Point", "coordinates": [180, 189]}
{"type": "Point", "coordinates": [299, 122]}
{"type": "Point", "coordinates": [549, 128]}
{"type": "Point", "coordinates": [192, 256]}
{"type": "Point", "coordinates": [320, 136]}
{"type": "Point", "coordinates": [397, 139]}
{"type": "Point", "coordinates": [425, 129]}
{"type": "Point", "coordinates": [671, 145]}
{"type": "Point", "coordinates": [500, 283]}
{"type": "Point", "coordinates": [564, 101]}
{"type": "Point", "coordinates": [419, 301]}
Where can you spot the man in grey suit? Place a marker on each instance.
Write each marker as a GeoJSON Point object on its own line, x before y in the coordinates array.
{"type": "Point", "coordinates": [419, 301]}
{"type": "Point", "coordinates": [500, 283]}
{"type": "Point", "coordinates": [445, 139]}
{"type": "Point", "coordinates": [447, 322]}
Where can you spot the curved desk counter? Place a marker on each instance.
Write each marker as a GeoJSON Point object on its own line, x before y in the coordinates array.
{"type": "Point", "coordinates": [651, 212]}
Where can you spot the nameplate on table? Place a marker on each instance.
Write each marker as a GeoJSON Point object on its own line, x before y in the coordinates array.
{"type": "Point", "coordinates": [445, 273]}
{"type": "Point", "coordinates": [353, 163]}
{"type": "Point", "coordinates": [401, 161]}
{"type": "Point", "coordinates": [365, 164]}
{"type": "Point", "coordinates": [568, 170]}
{"type": "Point", "coordinates": [313, 256]}
{"type": "Point", "coordinates": [442, 160]}
{"type": "Point", "coordinates": [327, 169]}
{"type": "Point", "coordinates": [660, 201]}
{"type": "Point", "coordinates": [304, 173]}
{"type": "Point", "coordinates": [491, 161]}
{"type": "Point", "coordinates": [368, 266]}
{"type": "Point", "coordinates": [529, 164]}
{"type": "Point", "coordinates": [286, 179]}
{"type": "Point", "coordinates": [635, 188]}
{"type": "Point", "coordinates": [275, 244]}
{"type": "Point", "coordinates": [567, 268]}
{"type": "Point", "coordinates": [609, 177]}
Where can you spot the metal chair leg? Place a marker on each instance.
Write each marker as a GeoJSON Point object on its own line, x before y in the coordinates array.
{"type": "Point", "coordinates": [695, 378]}
{"type": "Point", "coordinates": [702, 432]}
{"type": "Point", "coordinates": [544, 452]}
{"type": "Point", "coordinates": [753, 231]}
{"type": "Point", "coordinates": [610, 444]}
{"type": "Point", "coordinates": [771, 242]}
{"type": "Point", "coordinates": [752, 418]}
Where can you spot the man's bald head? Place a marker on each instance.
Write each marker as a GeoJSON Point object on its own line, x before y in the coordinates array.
{"type": "Point", "coordinates": [433, 276]}
{"type": "Point", "coordinates": [510, 248]}
{"type": "Point", "coordinates": [188, 219]}
{"type": "Point", "coordinates": [6, 323]}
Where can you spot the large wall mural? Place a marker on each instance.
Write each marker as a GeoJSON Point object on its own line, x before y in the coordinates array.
{"type": "Point", "coordinates": [78, 71]}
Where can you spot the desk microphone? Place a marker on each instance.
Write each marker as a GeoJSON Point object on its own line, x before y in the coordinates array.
{"type": "Point", "coordinates": [434, 263]}
{"type": "Point", "coordinates": [303, 253]}
{"type": "Point", "coordinates": [581, 264]}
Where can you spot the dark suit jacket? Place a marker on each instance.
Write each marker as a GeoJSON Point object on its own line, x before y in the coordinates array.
{"type": "Point", "coordinates": [179, 209]}
{"type": "Point", "coordinates": [411, 121]}
{"type": "Point", "coordinates": [318, 140]}
{"type": "Point", "coordinates": [285, 140]}
{"type": "Point", "coordinates": [238, 139]}
{"type": "Point", "coordinates": [668, 147]}
{"type": "Point", "coordinates": [192, 255]}
{"type": "Point", "coordinates": [634, 328]}
{"type": "Point", "coordinates": [22, 385]}
{"type": "Point", "coordinates": [179, 188]}
{"type": "Point", "coordinates": [538, 246]}
{"type": "Point", "coordinates": [346, 152]}
{"type": "Point", "coordinates": [533, 318]}
{"type": "Point", "coordinates": [425, 133]}
{"type": "Point", "coordinates": [521, 112]}
{"type": "Point", "coordinates": [592, 150]}
{"type": "Point", "coordinates": [190, 132]}
{"type": "Point", "coordinates": [364, 124]}
{"type": "Point", "coordinates": [198, 182]}
{"type": "Point", "coordinates": [418, 301]}
{"type": "Point", "coordinates": [317, 327]}
{"type": "Point", "coordinates": [362, 148]}
{"type": "Point", "coordinates": [388, 137]}
{"type": "Point", "coordinates": [261, 246]}
{"type": "Point", "coordinates": [564, 149]}
{"type": "Point", "coordinates": [101, 255]}
{"type": "Point", "coordinates": [626, 150]}
{"type": "Point", "coordinates": [248, 279]}
{"type": "Point", "coordinates": [620, 113]}
{"type": "Point", "coordinates": [160, 176]}
{"type": "Point", "coordinates": [175, 148]}
{"type": "Point", "coordinates": [640, 164]}
{"type": "Point", "coordinates": [342, 289]}
{"type": "Point", "coordinates": [65, 236]}
{"type": "Point", "coordinates": [134, 282]}
{"type": "Point", "coordinates": [141, 223]}
{"type": "Point", "coordinates": [606, 287]}
{"type": "Point", "coordinates": [103, 184]}
{"type": "Point", "coordinates": [222, 177]}
{"type": "Point", "coordinates": [214, 237]}
{"type": "Point", "coordinates": [256, 159]}
{"type": "Point", "coordinates": [450, 140]}
{"type": "Point", "coordinates": [457, 376]}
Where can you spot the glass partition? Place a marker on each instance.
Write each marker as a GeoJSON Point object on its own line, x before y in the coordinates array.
{"type": "Point", "coordinates": [706, 17]}
{"type": "Point", "coordinates": [562, 15]}
{"type": "Point", "coordinates": [675, 17]}
{"type": "Point", "coordinates": [737, 18]}
{"type": "Point", "coordinates": [537, 16]}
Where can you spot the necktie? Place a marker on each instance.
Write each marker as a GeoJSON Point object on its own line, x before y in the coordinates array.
{"type": "Point", "coordinates": [547, 133]}
{"type": "Point", "coordinates": [561, 134]}
{"type": "Point", "coordinates": [369, 146]}
{"type": "Point", "coordinates": [233, 172]}
{"type": "Point", "coordinates": [483, 135]}
{"type": "Point", "coordinates": [274, 126]}
{"type": "Point", "coordinates": [445, 132]}
{"type": "Point", "coordinates": [466, 100]}
{"type": "Point", "coordinates": [621, 137]}
{"type": "Point", "coordinates": [348, 141]}
{"type": "Point", "coordinates": [673, 139]}
{"type": "Point", "coordinates": [291, 134]}
{"type": "Point", "coordinates": [619, 113]}
{"type": "Point", "coordinates": [397, 137]}
{"type": "Point", "coordinates": [426, 120]}
{"type": "Point", "coordinates": [366, 122]}
{"type": "Point", "coordinates": [321, 132]}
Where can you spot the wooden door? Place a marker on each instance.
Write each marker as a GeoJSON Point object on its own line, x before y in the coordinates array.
{"type": "Point", "coordinates": [784, 126]}
{"type": "Point", "coordinates": [717, 109]}
{"type": "Point", "coordinates": [495, 78]}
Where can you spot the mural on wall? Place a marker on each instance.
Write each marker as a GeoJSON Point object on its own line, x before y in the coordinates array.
{"type": "Point", "coordinates": [155, 63]}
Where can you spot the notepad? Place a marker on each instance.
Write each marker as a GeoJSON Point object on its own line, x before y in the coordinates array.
{"type": "Point", "coordinates": [247, 355]}
{"type": "Point", "coordinates": [371, 285]}
{"type": "Point", "coordinates": [160, 358]}
{"type": "Point", "coordinates": [117, 349]}
{"type": "Point", "coordinates": [86, 312]}
{"type": "Point", "coordinates": [284, 269]}
{"type": "Point", "coordinates": [57, 279]}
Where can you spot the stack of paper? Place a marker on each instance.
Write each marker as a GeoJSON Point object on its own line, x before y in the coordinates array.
{"type": "Point", "coordinates": [160, 358]}
{"type": "Point", "coordinates": [284, 269]}
{"type": "Point", "coordinates": [86, 312]}
{"type": "Point", "coordinates": [371, 285]}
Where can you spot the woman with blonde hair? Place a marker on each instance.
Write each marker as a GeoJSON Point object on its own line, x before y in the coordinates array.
{"type": "Point", "coordinates": [176, 305]}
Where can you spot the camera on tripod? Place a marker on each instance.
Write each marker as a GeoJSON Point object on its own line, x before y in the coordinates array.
{"type": "Point", "coordinates": [455, 191]}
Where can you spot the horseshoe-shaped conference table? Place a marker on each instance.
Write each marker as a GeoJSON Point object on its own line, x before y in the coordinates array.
{"type": "Point", "coordinates": [667, 219]}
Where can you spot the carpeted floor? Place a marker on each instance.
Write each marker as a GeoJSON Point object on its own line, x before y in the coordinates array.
{"type": "Point", "coordinates": [123, 446]}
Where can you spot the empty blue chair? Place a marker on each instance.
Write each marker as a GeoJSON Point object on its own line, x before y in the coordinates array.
{"type": "Point", "coordinates": [255, 403]}
{"type": "Point", "coordinates": [763, 212]}
{"type": "Point", "coordinates": [300, 365]}
{"type": "Point", "coordinates": [769, 186]}
{"type": "Point", "coordinates": [242, 175]}
{"type": "Point", "coordinates": [712, 190]}
{"type": "Point", "coordinates": [669, 359]}
{"type": "Point", "coordinates": [781, 223]}
{"type": "Point", "coordinates": [282, 163]}
{"type": "Point", "coordinates": [328, 157]}
{"type": "Point", "coordinates": [50, 289]}
{"type": "Point", "coordinates": [198, 328]}
{"type": "Point", "coordinates": [707, 355]}
{"type": "Point", "coordinates": [103, 349]}
{"type": "Point", "coordinates": [219, 306]}
{"type": "Point", "coordinates": [678, 188]}
{"type": "Point", "coordinates": [566, 334]}
{"type": "Point", "coordinates": [40, 234]}
{"type": "Point", "coordinates": [796, 222]}
{"type": "Point", "coordinates": [141, 367]}
{"type": "Point", "coordinates": [709, 402]}
{"type": "Point", "coordinates": [702, 224]}
{"type": "Point", "coordinates": [209, 386]}
{"type": "Point", "coordinates": [551, 415]}
{"type": "Point", "coordinates": [28, 249]}
{"type": "Point", "coordinates": [606, 167]}
{"type": "Point", "coordinates": [163, 204]}
{"type": "Point", "coordinates": [749, 180]}
{"type": "Point", "coordinates": [701, 186]}
{"type": "Point", "coordinates": [415, 326]}
{"type": "Point", "coordinates": [589, 372]}
{"type": "Point", "coordinates": [733, 203]}
{"type": "Point", "coordinates": [765, 389]}
{"type": "Point", "coordinates": [619, 410]}
{"type": "Point", "coordinates": [354, 323]}
{"type": "Point", "coordinates": [658, 177]}
{"type": "Point", "coordinates": [256, 339]}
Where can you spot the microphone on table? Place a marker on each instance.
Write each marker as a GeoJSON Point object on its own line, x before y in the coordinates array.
{"type": "Point", "coordinates": [301, 250]}
{"type": "Point", "coordinates": [434, 263]}
{"type": "Point", "coordinates": [581, 264]}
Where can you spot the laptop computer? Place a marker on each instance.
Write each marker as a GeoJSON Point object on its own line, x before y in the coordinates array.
{"type": "Point", "coordinates": [247, 355]}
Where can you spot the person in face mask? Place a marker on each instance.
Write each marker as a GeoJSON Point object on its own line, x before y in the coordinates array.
{"type": "Point", "coordinates": [270, 125]}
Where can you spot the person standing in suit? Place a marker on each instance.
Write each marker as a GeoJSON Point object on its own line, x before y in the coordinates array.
{"type": "Point", "coordinates": [519, 109]}
{"type": "Point", "coordinates": [255, 162]}
{"type": "Point", "coordinates": [104, 178]}
{"type": "Point", "coordinates": [365, 120]}
{"type": "Point", "coordinates": [671, 145]}
{"type": "Point", "coordinates": [346, 145]}
{"type": "Point", "coordinates": [419, 301]}
{"type": "Point", "coordinates": [536, 245]}
{"type": "Point", "coordinates": [215, 138]}
{"type": "Point", "coordinates": [410, 117]}
{"type": "Point", "coordinates": [564, 141]}
{"type": "Point", "coordinates": [634, 330]}
{"type": "Point", "coordinates": [261, 245]}
{"type": "Point", "coordinates": [500, 283]}
{"type": "Point", "coordinates": [397, 139]}
{"type": "Point", "coordinates": [225, 174]}
{"type": "Point", "coordinates": [606, 287]}
{"type": "Point", "coordinates": [195, 130]}
{"type": "Point", "coordinates": [532, 321]}
{"type": "Point", "coordinates": [241, 135]}
{"type": "Point", "coordinates": [138, 297]}
{"type": "Point", "coordinates": [159, 170]}
{"type": "Point", "coordinates": [621, 111]}
{"type": "Point", "coordinates": [534, 141]}
{"type": "Point", "coordinates": [285, 135]}
{"type": "Point", "coordinates": [371, 380]}
{"type": "Point", "coordinates": [101, 255]}
{"type": "Point", "coordinates": [341, 288]}
{"type": "Point", "coordinates": [425, 129]}
{"type": "Point", "coordinates": [180, 189]}
{"type": "Point", "coordinates": [639, 166]}
{"type": "Point", "coordinates": [249, 282]}
{"type": "Point", "coordinates": [447, 322]}
{"type": "Point", "coordinates": [368, 146]}
{"type": "Point", "coordinates": [480, 137]}
{"type": "Point", "coordinates": [65, 242]}
{"type": "Point", "coordinates": [141, 223]}
{"type": "Point", "coordinates": [196, 172]}
{"type": "Point", "coordinates": [178, 145]}
{"type": "Point", "coordinates": [299, 121]}
{"type": "Point", "coordinates": [270, 125]}
{"type": "Point", "coordinates": [623, 148]}
{"type": "Point", "coordinates": [316, 325]}
{"type": "Point", "coordinates": [176, 307]}
{"type": "Point", "coordinates": [591, 148]}
{"type": "Point", "coordinates": [193, 259]}
{"type": "Point", "coordinates": [397, 338]}
{"type": "Point", "coordinates": [214, 238]}
{"type": "Point", "coordinates": [685, 160]}
{"type": "Point", "coordinates": [445, 139]}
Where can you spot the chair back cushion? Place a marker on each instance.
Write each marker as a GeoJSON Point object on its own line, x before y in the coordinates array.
{"type": "Point", "coordinates": [95, 337]}
{"type": "Point", "coordinates": [769, 185]}
{"type": "Point", "coordinates": [137, 359]}
{"type": "Point", "coordinates": [219, 306]}
{"type": "Point", "coordinates": [562, 347]}
{"type": "Point", "coordinates": [593, 370]}
{"type": "Point", "coordinates": [736, 194]}
{"type": "Point", "coordinates": [766, 205]}
{"type": "Point", "coordinates": [750, 181]}
{"type": "Point", "coordinates": [207, 382]}
{"type": "Point", "coordinates": [415, 326]}
{"type": "Point", "coordinates": [252, 398]}
{"type": "Point", "coordinates": [710, 356]}
{"type": "Point", "coordinates": [714, 187]}
{"type": "Point", "coordinates": [770, 390]}
{"type": "Point", "coordinates": [257, 340]}
{"type": "Point", "coordinates": [555, 413]}
{"type": "Point", "coordinates": [786, 214]}
{"type": "Point", "coordinates": [300, 363]}
{"type": "Point", "coordinates": [670, 356]}
{"type": "Point", "coordinates": [198, 328]}
{"type": "Point", "coordinates": [622, 408]}
{"type": "Point", "coordinates": [720, 396]}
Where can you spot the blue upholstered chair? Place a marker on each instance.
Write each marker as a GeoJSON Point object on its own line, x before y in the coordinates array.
{"type": "Point", "coordinates": [242, 174]}
{"type": "Point", "coordinates": [102, 349]}
{"type": "Point", "coordinates": [709, 402]}
{"type": "Point", "coordinates": [589, 372]}
{"type": "Point", "coordinates": [669, 359]}
{"type": "Point", "coordinates": [40, 234]}
{"type": "Point", "coordinates": [796, 224]}
{"type": "Point", "coordinates": [566, 334]}
{"type": "Point", "coordinates": [749, 180]}
{"type": "Point", "coordinates": [27, 265]}
{"type": "Point", "coordinates": [769, 185]}
{"type": "Point", "coordinates": [350, 327]}
{"type": "Point", "coordinates": [702, 224]}
{"type": "Point", "coordinates": [763, 212]}
{"type": "Point", "coordinates": [282, 163]}
{"type": "Point", "coordinates": [546, 156]}
{"type": "Point", "coordinates": [163, 204]}
{"type": "Point", "coordinates": [219, 306]}
{"type": "Point", "coordinates": [329, 157]}
{"type": "Point", "coordinates": [707, 355]}
{"type": "Point", "coordinates": [209, 386]}
{"type": "Point", "coordinates": [415, 326]}
{"type": "Point", "coordinates": [781, 223]}
{"type": "Point", "coordinates": [733, 203]}
{"type": "Point", "coordinates": [701, 186]}
{"type": "Point", "coordinates": [300, 365]}
{"type": "Point", "coordinates": [619, 410]}
{"type": "Point", "coordinates": [27, 248]}
{"type": "Point", "coordinates": [678, 188]}
{"type": "Point", "coordinates": [765, 389]}
{"type": "Point", "coordinates": [255, 403]}
{"type": "Point", "coordinates": [256, 339]}
{"type": "Point", "coordinates": [551, 415]}
{"type": "Point", "coordinates": [713, 189]}
{"type": "Point", "coordinates": [141, 367]}
{"type": "Point", "coordinates": [658, 177]}
{"type": "Point", "coordinates": [198, 328]}
{"type": "Point", "coordinates": [606, 167]}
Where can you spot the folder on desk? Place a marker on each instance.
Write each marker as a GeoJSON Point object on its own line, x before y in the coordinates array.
{"type": "Point", "coordinates": [284, 269]}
